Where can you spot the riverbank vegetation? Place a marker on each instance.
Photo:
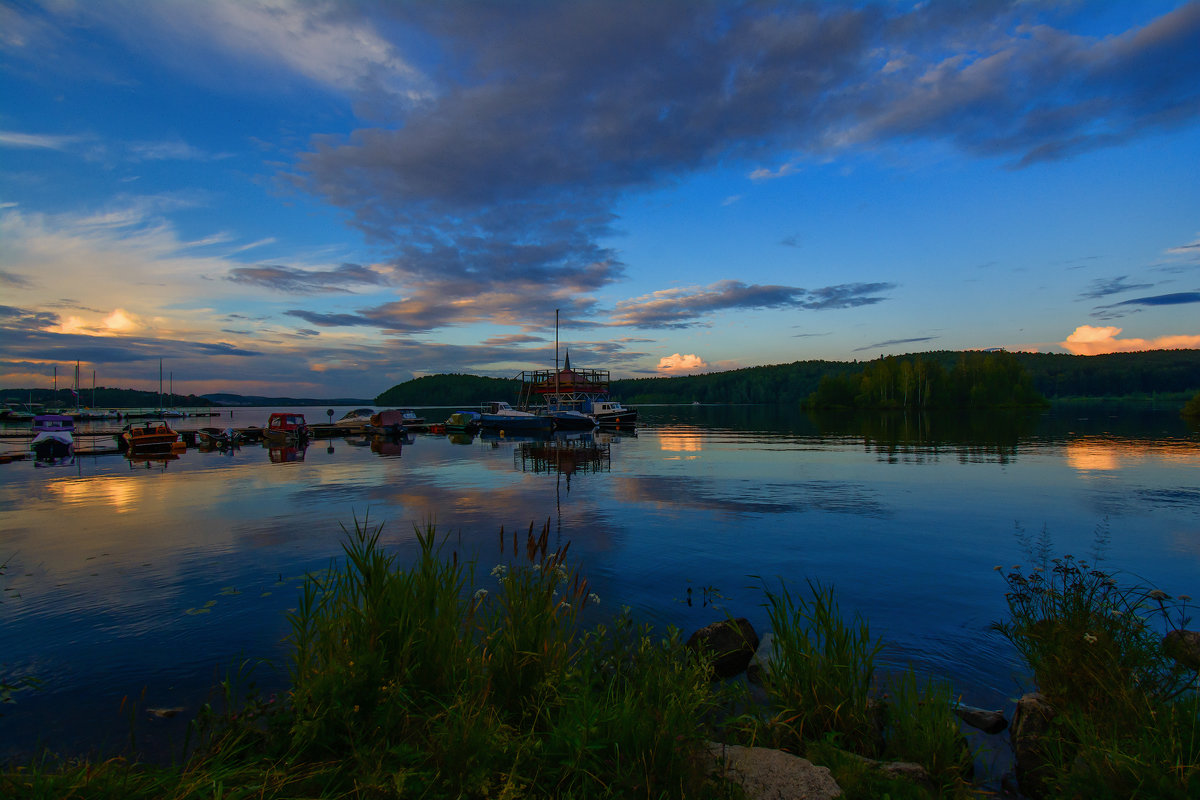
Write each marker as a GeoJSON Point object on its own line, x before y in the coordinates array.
{"type": "Point", "coordinates": [432, 680]}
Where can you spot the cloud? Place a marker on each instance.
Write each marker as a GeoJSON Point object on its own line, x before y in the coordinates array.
{"type": "Point", "coordinates": [1173, 299]}
{"type": "Point", "coordinates": [1087, 340]}
{"type": "Point", "coordinates": [12, 279]}
{"type": "Point", "coordinates": [1103, 287]}
{"type": "Point", "coordinates": [302, 281]}
{"type": "Point", "coordinates": [682, 308]}
{"type": "Point", "coordinates": [893, 342]}
{"type": "Point", "coordinates": [541, 117]}
{"type": "Point", "coordinates": [1191, 248]}
{"type": "Point", "coordinates": [35, 141]}
{"type": "Point", "coordinates": [681, 363]}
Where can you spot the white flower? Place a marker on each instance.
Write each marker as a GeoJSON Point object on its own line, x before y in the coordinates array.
{"type": "Point", "coordinates": [480, 594]}
{"type": "Point", "coordinates": [594, 598]}
{"type": "Point", "coordinates": [499, 571]}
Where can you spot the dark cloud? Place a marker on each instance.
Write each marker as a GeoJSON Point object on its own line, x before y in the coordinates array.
{"type": "Point", "coordinates": [684, 308]}
{"type": "Point", "coordinates": [301, 281]}
{"type": "Point", "coordinates": [545, 115]}
{"type": "Point", "coordinates": [13, 279]}
{"type": "Point", "coordinates": [893, 342]}
{"type": "Point", "coordinates": [23, 318]}
{"type": "Point", "coordinates": [516, 338]}
{"type": "Point", "coordinates": [1177, 298]}
{"type": "Point", "coordinates": [1103, 287]}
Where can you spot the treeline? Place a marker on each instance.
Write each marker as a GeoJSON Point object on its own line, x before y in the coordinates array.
{"type": "Point", "coordinates": [450, 390]}
{"type": "Point", "coordinates": [1052, 375]}
{"type": "Point", "coordinates": [103, 397]}
{"type": "Point", "coordinates": [977, 380]}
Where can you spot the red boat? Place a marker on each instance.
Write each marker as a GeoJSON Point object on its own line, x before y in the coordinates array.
{"type": "Point", "coordinates": [153, 435]}
{"type": "Point", "coordinates": [286, 426]}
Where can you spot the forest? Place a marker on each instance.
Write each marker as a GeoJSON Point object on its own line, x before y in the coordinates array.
{"type": "Point", "coordinates": [1156, 373]}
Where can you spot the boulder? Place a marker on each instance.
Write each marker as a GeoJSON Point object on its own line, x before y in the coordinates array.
{"type": "Point", "coordinates": [1031, 727]}
{"type": "Point", "coordinates": [731, 644]}
{"type": "Point", "coordinates": [760, 664]}
{"type": "Point", "coordinates": [981, 719]}
{"type": "Point", "coordinates": [765, 774]}
{"type": "Point", "coordinates": [1184, 647]}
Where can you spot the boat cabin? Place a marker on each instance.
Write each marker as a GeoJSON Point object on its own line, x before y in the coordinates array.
{"type": "Point", "coordinates": [53, 422]}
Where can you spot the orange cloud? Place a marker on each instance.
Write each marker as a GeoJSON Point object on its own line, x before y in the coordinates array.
{"type": "Point", "coordinates": [1088, 340]}
{"type": "Point", "coordinates": [680, 363]}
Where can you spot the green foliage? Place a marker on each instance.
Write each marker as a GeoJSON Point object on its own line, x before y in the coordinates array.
{"type": "Point", "coordinates": [921, 727]}
{"type": "Point", "coordinates": [1192, 407]}
{"type": "Point", "coordinates": [1128, 715]}
{"type": "Point", "coordinates": [977, 380]}
{"type": "Point", "coordinates": [821, 672]}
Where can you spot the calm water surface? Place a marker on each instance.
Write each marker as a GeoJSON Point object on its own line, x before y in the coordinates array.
{"type": "Point", "coordinates": [146, 581]}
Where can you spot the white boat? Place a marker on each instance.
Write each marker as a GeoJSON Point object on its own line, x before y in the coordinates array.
{"type": "Point", "coordinates": [53, 445]}
{"type": "Point", "coordinates": [499, 415]}
{"type": "Point", "coordinates": [610, 412]}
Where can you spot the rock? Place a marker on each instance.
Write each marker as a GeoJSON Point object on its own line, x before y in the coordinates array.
{"type": "Point", "coordinates": [731, 643]}
{"type": "Point", "coordinates": [760, 664]}
{"type": "Point", "coordinates": [906, 770]}
{"type": "Point", "coordinates": [766, 774]}
{"type": "Point", "coordinates": [1031, 726]}
{"type": "Point", "coordinates": [1184, 647]}
{"type": "Point", "coordinates": [981, 719]}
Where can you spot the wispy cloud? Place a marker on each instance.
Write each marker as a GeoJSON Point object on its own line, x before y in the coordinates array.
{"type": "Point", "coordinates": [35, 141]}
{"type": "Point", "coordinates": [1103, 287]}
{"type": "Point", "coordinates": [894, 342]}
{"type": "Point", "coordinates": [307, 281]}
{"type": "Point", "coordinates": [685, 307]}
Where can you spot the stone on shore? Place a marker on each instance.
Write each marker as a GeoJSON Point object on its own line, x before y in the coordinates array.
{"type": "Point", "coordinates": [981, 718]}
{"type": "Point", "coordinates": [1031, 727]}
{"type": "Point", "coordinates": [760, 664]}
{"type": "Point", "coordinates": [766, 774]}
{"type": "Point", "coordinates": [730, 643]}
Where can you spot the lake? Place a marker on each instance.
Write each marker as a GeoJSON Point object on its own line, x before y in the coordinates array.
{"type": "Point", "coordinates": [136, 585]}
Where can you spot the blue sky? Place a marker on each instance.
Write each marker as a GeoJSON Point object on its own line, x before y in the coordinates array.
{"type": "Point", "coordinates": [328, 198]}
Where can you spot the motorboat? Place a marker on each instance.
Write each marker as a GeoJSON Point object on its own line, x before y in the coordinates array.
{"type": "Point", "coordinates": [462, 422]}
{"type": "Point", "coordinates": [398, 419]}
{"type": "Point", "coordinates": [566, 419]}
{"type": "Point", "coordinates": [217, 437]}
{"type": "Point", "coordinates": [286, 426]}
{"type": "Point", "coordinates": [151, 435]}
{"type": "Point", "coordinates": [610, 413]}
{"type": "Point", "coordinates": [499, 415]}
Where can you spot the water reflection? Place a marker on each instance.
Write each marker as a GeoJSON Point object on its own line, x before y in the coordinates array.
{"type": "Point", "coordinates": [123, 577]}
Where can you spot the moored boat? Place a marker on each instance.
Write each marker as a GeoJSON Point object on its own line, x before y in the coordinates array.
{"type": "Point", "coordinates": [151, 435]}
{"type": "Point", "coordinates": [398, 419]}
{"type": "Point", "coordinates": [499, 415]}
{"type": "Point", "coordinates": [610, 413]}
{"type": "Point", "coordinates": [462, 422]}
{"type": "Point", "coordinates": [566, 419]}
{"type": "Point", "coordinates": [217, 437]}
{"type": "Point", "coordinates": [286, 426]}
{"type": "Point", "coordinates": [53, 445]}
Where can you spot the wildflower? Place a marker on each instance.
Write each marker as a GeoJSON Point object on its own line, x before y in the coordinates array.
{"type": "Point", "coordinates": [998, 568]}
{"type": "Point", "coordinates": [594, 598]}
{"type": "Point", "coordinates": [1089, 638]}
{"type": "Point", "coordinates": [1183, 598]}
{"type": "Point", "coordinates": [480, 594]}
{"type": "Point", "coordinates": [1159, 595]}
{"type": "Point", "coordinates": [499, 571]}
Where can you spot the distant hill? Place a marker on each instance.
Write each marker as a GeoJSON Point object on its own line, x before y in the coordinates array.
{"type": "Point", "coordinates": [1056, 376]}
{"type": "Point", "coordinates": [225, 399]}
{"type": "Point", "coordinates": [103, 397]}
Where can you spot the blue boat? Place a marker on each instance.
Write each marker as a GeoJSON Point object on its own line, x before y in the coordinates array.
{"type": "Point", "coordinates": [499, 415]}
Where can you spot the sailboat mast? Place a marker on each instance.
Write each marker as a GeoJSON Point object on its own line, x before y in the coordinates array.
{"type": "Point", "coordinates": [75, 391]}
{"type": "Point", "coordinates": [160, 405]}
{"type": "Point", "coordinates": [557, 396]}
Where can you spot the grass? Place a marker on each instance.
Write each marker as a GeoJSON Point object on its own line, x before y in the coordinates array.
{"type": "Point", "coordinates": [1128, 715]}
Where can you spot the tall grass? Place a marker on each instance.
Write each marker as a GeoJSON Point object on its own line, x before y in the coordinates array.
{"type": "Point", "coordinates": [1128, 715]}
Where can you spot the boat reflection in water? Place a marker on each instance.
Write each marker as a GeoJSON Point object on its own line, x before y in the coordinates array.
{"type": "Point", "coordinates": [287, 454]}
{"type": "Point", "coordinates": [148, 458]}
{"type": "Point", "coordinates": [390, 444]}
{"type": "Point", "coordinates": [565, 454]}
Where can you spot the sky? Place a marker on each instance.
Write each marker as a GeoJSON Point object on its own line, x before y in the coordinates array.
{"type": "Point", "coordinates": [325, 199]}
